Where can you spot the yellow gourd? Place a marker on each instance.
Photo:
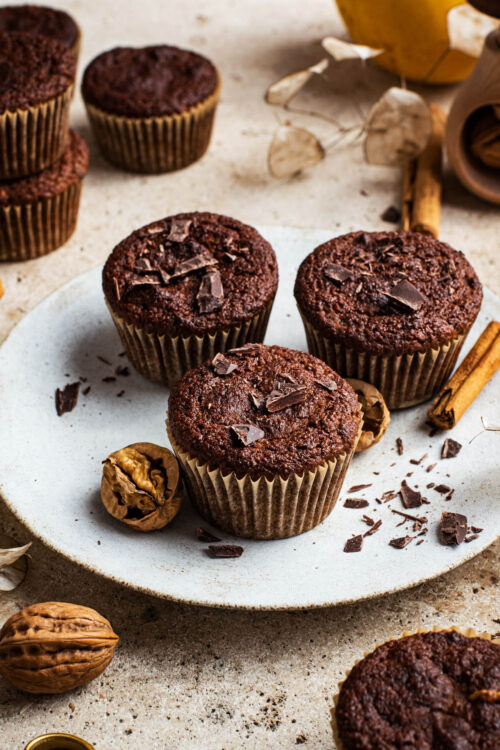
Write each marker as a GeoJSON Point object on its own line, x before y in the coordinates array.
{"type": "Point", "coordinates": [414, 35]}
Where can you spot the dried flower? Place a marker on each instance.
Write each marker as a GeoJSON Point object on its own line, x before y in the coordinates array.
{"type": "Point", "coordinates": [292, 150]}
{"type": "Point", "coordinates": [13, 564]}
{"type": "Point", "coordinates": [286, 88]}
{"type": "Point", "coordinates": [339, 49]}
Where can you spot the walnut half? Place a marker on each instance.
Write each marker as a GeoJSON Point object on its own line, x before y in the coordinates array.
{"type": "Point", "coordinates": [376, 416]}
{"type": "Point", "coordinates": [141, 486]}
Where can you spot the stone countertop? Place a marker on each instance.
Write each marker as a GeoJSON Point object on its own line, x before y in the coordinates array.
{"type": "Point", "coordinates": [187, 677]}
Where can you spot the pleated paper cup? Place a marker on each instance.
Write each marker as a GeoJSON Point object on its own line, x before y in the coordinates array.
{"type": "Point", "coordinates": [31, 230]}
{"type": "Point", "coordinates": [34, 138]}
{"type": "Point", "coordinates": [155, 144]}
{"type": "Point", "coordinates": [403, 380]}
{"type": "Point", "coordinates": [262, 508]}
{"type": "Point", "coordinates": [163, 358]}
{"type": "Point", "coordinates": [469, 632]}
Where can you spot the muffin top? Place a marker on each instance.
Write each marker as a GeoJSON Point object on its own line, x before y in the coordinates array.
{"type": "Point", "coordinates": [33, 69]}
{"type": "Point", "coordinates": [191, 273]}
{"type": "Point", "coordinates": [70, 168]}
{"type": "Point", "coordinates": [264, 410]}
{"type": "Point", "coordinates": [388, 292]}
{"type": "Point", "coordinates": [431, 690]}
{"type": "Point", "coordinates": [148, 81]}
{"type": "Point", "coordinates": [35, 19]}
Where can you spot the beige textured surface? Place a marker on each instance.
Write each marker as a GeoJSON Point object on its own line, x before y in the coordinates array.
{"type": "Point", "coordinates": [186, 677]}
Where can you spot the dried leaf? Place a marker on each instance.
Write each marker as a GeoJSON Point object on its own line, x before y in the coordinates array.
{"type": "Point", "coordinates": [13, 564]}
{"type": "Point", "coordinates": [468, 28]}
{"type": "Point", "coordinates": [9, 556]}
{"type": "Point", "coordinates": [487, 427]}
{"type": "Point", "coordinates": [398, 128]}
{"type": "Point", "coordinates": [293, 149]}
{"type": "Point", "coordinates": [285, 89]}
{"type": "Point", "coordinates": [342, 50]}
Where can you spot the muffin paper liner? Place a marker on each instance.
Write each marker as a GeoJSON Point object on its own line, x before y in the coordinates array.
{"type": "Point", "coordinates": [469, 632]}
{"type": "Point", "coordinates": [262, 508]}
{"type": "Point", "coordinates": [33, 229]}
{"type": "Point", "coordinates": [164, 359]}
{"type": "Point", "coordinates": [155, 144]}
{"type": "Point", "coordinates": [403, 380]}
{"type": "Point", "coordinates": [34, 138]}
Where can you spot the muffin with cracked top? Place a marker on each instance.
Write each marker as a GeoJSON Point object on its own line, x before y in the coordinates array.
{"type": "Point", "coordinates": [264, 436]}
{"type": "Point", "coordinates": [390, 308]}
{"type": "Point", "coordinates": [186, 287]}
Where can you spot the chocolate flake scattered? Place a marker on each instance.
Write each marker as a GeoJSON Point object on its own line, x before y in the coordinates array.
{"type": "Point", "coordinates": [471, 538]}
{"type": "Point", "coordinates": [328, 385]}
{"type": "Point", "coordinates": [247, 433]}
{"type": "Point", "coordinates": [451, 448]}
{"type": "Point", "coordinates": [108, 379]}
{"type": "Point", "coordinates": [449, 495]}
{"type": "Point", "coordinates": [210, 294]}
{"type": "Point", "coordinates": [205, 536]}
{"type": "Point", "coordinates": [86, 390]}
{"type": "Point", "coordinates": [476, 529]}
{"type": "Point", "coordinates": [442, 489]}
{"type": "Point", "coordinates": [389, 495]}
{"type": "Point", "coordinates": [123, 370]}
{"type": "Point", "coordinates": [287, 395]}
{"type": "Point", "coordinates": [418, 461]}
{"type": "Point", "coordinates": [222, 365]}
{"type": "Point", "coordinates": [225, 550]}
{"type": "Point", "coordinates": [196, 263]}
{"type": "Point", "coordinates": [376, 526]}
{"type": "Point", "coordinates": [368, 520]}
{"type": "Point", "coordinates": [117, 288]}
{"type": "Point", "coordinates": [401, 542]}
{"type": "Point", "coordinates": [430, 467]}
{"type": "Point", "coordinates": [452, 528]}
{"type": "Point", "coordinates": [336, 273]}
{"type": "Point", "coordinates": [179, 230]}
{"type": "Point", "coordinates": [357, 487]}
{"type": "Point", "coordinates": [120, 394]}
{"type": "Point", "coordinates": [356, 503]}
{"type": "Point", "coordinates": [410, 498]}
{"type": "Point", "coordinates": [406, 297]}
{"type": "Point", "coordinates": [103, 359]}
{"type": "Point", "coordinates": [399, 446]}
{"type": "Point", "coordinates": [354, 544]}
{"type": "Point", "coordinates": [392, 214]}
{"type": "Point", "coordinates": [420, 541]}
{"type": "Point", "coordinates": [67, 398]}
{"type": "Point", "coordinates": [418, 520]}
{"type": "Point", "coordinates": [430, 485]}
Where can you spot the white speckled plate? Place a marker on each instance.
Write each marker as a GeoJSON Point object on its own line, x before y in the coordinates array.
{"type": "Point", "coordinates": [50, 468]}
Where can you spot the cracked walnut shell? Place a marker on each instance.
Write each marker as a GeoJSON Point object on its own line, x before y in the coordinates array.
{"type": "Point", "coordinates": [376, 415]}
{"type": "Point", "coordinates": [53, 647]}
{"type": "Point", "coordinates": [141, 486]}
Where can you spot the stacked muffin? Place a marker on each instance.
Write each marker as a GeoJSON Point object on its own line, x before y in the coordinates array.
{"type": "Point", "coordinates": [42, 162]}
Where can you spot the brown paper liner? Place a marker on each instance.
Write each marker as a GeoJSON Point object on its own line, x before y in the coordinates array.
{"type": "Point", "coordinates": [164, 358]}
{"type": "Point", "coordinates": [33, 229]}
{"type": "Point", "coordinates": [262, 508]}
{"type": "Point", "coordinates": [403, 380]}
{"type": "Point", "coordinates": [155, 144]}
{"type": "Point", "coordinates": [34, 138]}
{"type": "Point", "coordinates": [469, 632]}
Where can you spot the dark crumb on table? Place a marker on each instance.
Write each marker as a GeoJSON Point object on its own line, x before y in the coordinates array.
{"type": "Point", "coordinates": [354, 544]}
{"type": "Point", "coordinates": [225, 550]}
{"type": "Point", "coordinates": [399, 446]}
{"type": "Point", "coordinates": [392, 214]}
{"type": "Point", "coordinates": [356, 503]}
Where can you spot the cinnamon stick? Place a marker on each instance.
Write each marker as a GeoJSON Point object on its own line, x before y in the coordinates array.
{"type": "Point", "coordinates": [421, 210]}
{"type": "Point", "coordinates": [476, 370]}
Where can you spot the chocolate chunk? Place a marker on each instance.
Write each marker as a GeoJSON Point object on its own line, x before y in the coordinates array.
{"type": "Point", "coordinates": [452, 528]}
{"type": "Point", "coordinates": [443, 489]}
{"type": "Point", "coordinates": [286, 376]}
{"type": "Point", "coordinates": [418, 461]}
{"type": "Point", "coordinates": [120, 394]}
{"type": "Point", "coordinates": [143, 265]}
{"type": "Point", "coordinates": [376, 526]}
{"type": "Point", "coordinates": [108, 379]}
{"type": "Point", "coordinates": [328, 385]}
{"type": "Point", "coordinates": [354, 502]}
{"type": "Point", "coordinates": [205, 536]}
{"type": "Point", "coordinates": [471, 538]}
{"type": "Point", "coordinates": [430, 467]}
{"type": "Point", "coordinates": [357, 487]}
{"type": "Point", "coordinates": [354, 544]}
{"type": "Point", "coordinates": [450, 449]}
{"type": "Point", "coordinates": [409, 497]}
{"type": "Point", "coordinates": [222, 365]}
{"type": "Point", "coordinates": [258, 399]}
{"type": "Point", "coordinates": [86, 390]}
{"type": "Point", "coordinates": [103, 359]}
{"type": "Point", "coordinates": [67, 398]}
{"type": "Point", "coordinates": [287, 395]}
{"type": "Point", "coordinates": [400, 542]}
{"type": "Point", "coordinates": [476, 529]}
{"type": "Point", "coordinates": [123, 370]}
{"type": "Point", "coordinates": [179, 230]}
{"type": "Point", "coordinates": [247, 433]}
{"type": "Point", "coordinates": [392, 214]}
{"type": "Point", "coordinates": [225, 550]}
{"type": "Point", "coordinates": [336, 273]}
{"type": "Point", "coordinates": [197, 262]}
{"type": "Point", "coordinates": [406, 297]}
{"type": "Point", "coordinates": [210, 294]}
{"type": "Point", "coordinates": [399, 446]}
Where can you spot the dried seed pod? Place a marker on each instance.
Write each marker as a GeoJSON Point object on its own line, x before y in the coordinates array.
{"type": "Point", "coordinates": [376, 416]}
{"type": "Point", "coordinates": [141, 486]}
{"type": "Point", "coordinates": [53, 647]}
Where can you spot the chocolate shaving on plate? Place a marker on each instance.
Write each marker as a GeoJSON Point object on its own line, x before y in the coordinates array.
{"type": "Point", "coordinates": [66, 398]}
{"type": "Point", "coordinates": [328, 385]}
{"type": "Point", "coordinates": [109, 379]}
{"type": "Point", "coordinates": [357, 487]}
{"type": "Point", "coordinates": [287, 395]}
{"type": "Point", "coordinates": [86, 390]}
{"type": "Point", "coordinates": [354, 544]}
{"type": "Point", "coordinates": [400, 542]}
{"type": "Point", "coordinates": [406, 297]}
{"type": "Point", "coordinates": [247, 433]}
{"type": "Point", "coordinates": [452, 528]}
{"type": "Point", "coordinates": [443, 489]}
{"type": "Point", "coordinates": [225, 550]}
{"type": "Point", "coordinates": [210, 294]}
{"type": "Point", "coordinates": [122, 370]}
{"type": "Point", "coordinates": [179, 230]}
{"type": "Point", "coordinates": [222, 365]}
{"type": "Point", "coordinates": [368, 520]}
{"type": "Point", "coordinates": [399, 446]}
{"type": "Point", "coordinates": [450, 449]}
{"type": "Point", "coordinates": [356, 503]}
{"type": "Point", "coordinates": [418, 461]}
{"type": "Point", "coordinates": [409, 497]}
{"type": "Point", "coordinates": [205, 536]}
{"type": "Point", "coordinates": [336, 273]}
{"type": "Point", "coordinates": [376, 526]}
{"type": "Point", "coordinates": [430, 467]}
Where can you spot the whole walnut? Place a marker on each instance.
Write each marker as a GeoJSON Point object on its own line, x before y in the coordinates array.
{"type": "Point", "coordinates": [53, 647]}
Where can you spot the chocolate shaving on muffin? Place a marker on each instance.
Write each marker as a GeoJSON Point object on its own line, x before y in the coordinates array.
{"type": "Point", "coordinates": [336, 273]}
{"type": "Point", "coordinates": [286, 395]}
{"type": "Point", "coordinates": [406, 297]}
{"type": "Point", "coordinates": [210, 294]}
{"type": "Point", "coordinates": [222, 365]}
{"type": "Point", "coordinates": [247, 433]}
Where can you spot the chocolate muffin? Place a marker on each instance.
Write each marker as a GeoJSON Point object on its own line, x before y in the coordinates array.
{"type": "Point", "coordinates": [37, 19]}
{"type": "Point", "coordinates": [38, 213]}
{"type": "Point", "coordinates": [151, 108]}
{"type": "Point", "coordinates": [426, 691]}
{"type": "Point", "coordinates": [186, 287]}
{"type": "Point", "coordinates": [36, 84]}
{"type": "Point", "coordinates": [390, 308]}
{"type": "Point", "coordinates": [264, 436]}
